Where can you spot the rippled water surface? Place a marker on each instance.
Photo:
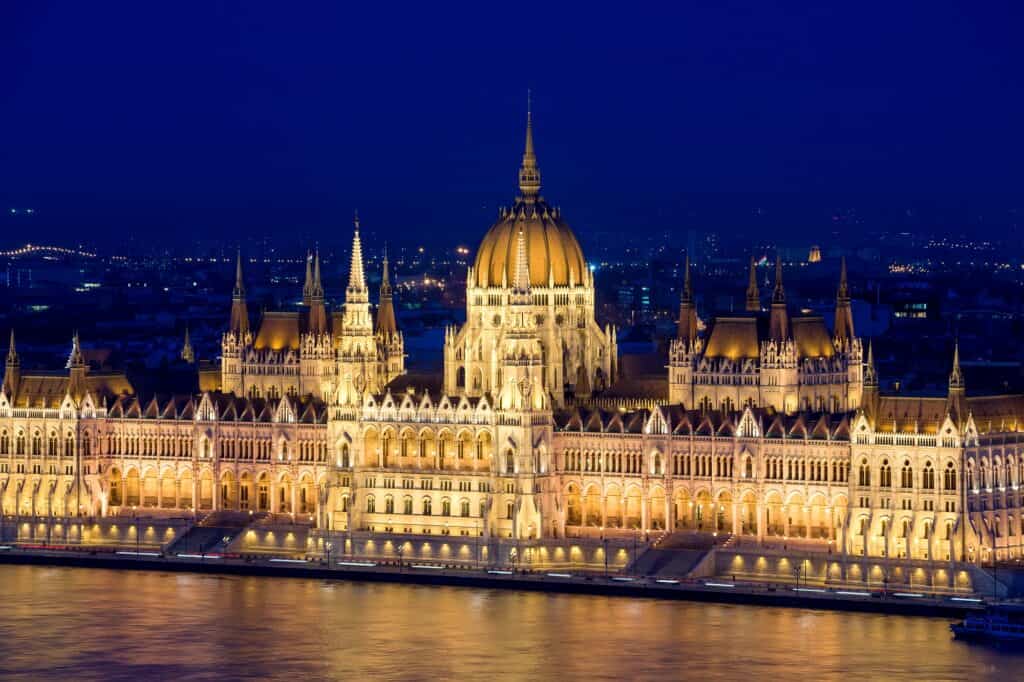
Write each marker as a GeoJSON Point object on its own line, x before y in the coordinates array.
{"type": "Point", "coordinates": [63, 623]}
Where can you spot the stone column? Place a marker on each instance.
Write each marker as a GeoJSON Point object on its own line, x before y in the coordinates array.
{"type": "Point", "coordinates": [735, 518]}
{"type": "Point", "coordinates": [760, 521]}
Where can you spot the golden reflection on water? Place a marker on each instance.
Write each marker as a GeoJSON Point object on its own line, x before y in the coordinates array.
{"type": "Point", "coordinates": [101, 624]}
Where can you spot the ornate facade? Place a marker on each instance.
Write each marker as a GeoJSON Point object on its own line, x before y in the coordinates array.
{"type": "Point", "coordinates": [774, 429]}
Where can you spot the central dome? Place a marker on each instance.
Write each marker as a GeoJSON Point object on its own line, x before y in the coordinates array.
{"type": "Point", "coordinates": [554, 255]}
{"type": "Point", "coordinates": [552, 251]}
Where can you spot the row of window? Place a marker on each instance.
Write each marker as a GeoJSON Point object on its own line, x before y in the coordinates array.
{"type": "Point", "coordinates": [426, 506]}
{"type": "Point", "coordinates": [37, 446]}
{"type": "Point", "coordinates": [907, 479]}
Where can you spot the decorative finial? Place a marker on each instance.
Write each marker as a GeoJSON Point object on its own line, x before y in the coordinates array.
{"type": "Point", "coordinates": [529, 174]}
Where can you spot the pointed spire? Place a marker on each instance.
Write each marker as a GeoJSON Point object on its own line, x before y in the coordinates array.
{"type": "Point", "coordinates": [753, 293]}
{"type": "Point", "coordinates": [778, 293]}
{"type": "Point", "coordinates": [870, 371]}
{"type": "Point", "coordinates": [318, 287]}
{"type": "Point", "coordinates": [956, 377]}
{"type": "Point", "coordinates": [356, 276]}
{"type": "Point", "coordinates": [387, 326]}
{"type": "Point", "coordinates": [687, 328]}
{"type": "Point", "coordinates": [187, 354]}
{"type": "Point", "coordinates": [385, 279]}
{"type": "Point", "coordinates": [844, 315]}
{"type": "Point", "coordinates": [239, 290]}
{"type": "Point", "coordinates": [687, 296]}
{"type": "Point", "coordinates": [12, 352]}
{"type": "Point", "coordinates": [307, 287]}
{"type": "Point", "coordinates": [12, 373]}
{"type": "Point", "coordinates": [779, 322]}
{"type": "Point", "coordinates": [529, 173]}
{"type": "Point", "coordinates": [239, 323]}
{"type": "Point", "coordinates": [75, 358]}
{"type": "Point", "coordinates": [521, 279]}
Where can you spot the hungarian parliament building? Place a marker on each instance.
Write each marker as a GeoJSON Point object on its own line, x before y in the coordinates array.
{"type": "Point", "coordinates": [767, 425]}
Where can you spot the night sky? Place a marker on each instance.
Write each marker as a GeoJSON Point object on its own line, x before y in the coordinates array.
{"type": "Point", "coordinates": [162, 122]}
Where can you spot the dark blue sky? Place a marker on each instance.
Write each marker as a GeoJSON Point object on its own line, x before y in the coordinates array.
{"type": "Point", "coordinates": [168, 121]}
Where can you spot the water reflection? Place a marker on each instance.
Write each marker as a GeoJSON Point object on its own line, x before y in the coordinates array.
{"type": "Point", "coordinates": [99, 624]}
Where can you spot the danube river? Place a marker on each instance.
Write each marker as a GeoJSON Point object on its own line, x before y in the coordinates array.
{"type": "Point", "coordinates": [70, 623]}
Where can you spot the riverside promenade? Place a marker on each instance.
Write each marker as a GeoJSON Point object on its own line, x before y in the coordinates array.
{"type": "Point", "coordinates": [580, 582]}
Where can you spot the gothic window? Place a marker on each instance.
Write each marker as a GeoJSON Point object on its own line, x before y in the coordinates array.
{"type": "Point", "coordinates": [389, 505]}
{"type": "Point", "coordinates": [427, 506]}
{"type": "Point", "coordinates": [5, 443]}
{"type": "Point", "coordinates": [51, 446]}
{"type": "Point", "coordinates": [407, 505]}
{"type": "Point", "coordinates": [37, 444]}
{"type": "Point", "coordinates": [864, 476]}
{"type": "Point", "coordinates": [906, 475]}
{"type": "Point", "coordinates": [949, 477]}
{"type": "Point", "coordinates": [371, 505]}
{"type": "Point", "coordinates": [748, 468]}
{"type": "Point", "coordinates": [510, 463]}
{"type": "Point", "coordinates": [446, 507]}
{"type": "Point", "coordinates": [886, 475]}
{"type": "Point", "coordinates": [928, 479]}
{"type": "Point", "coordinates": [464, 507]}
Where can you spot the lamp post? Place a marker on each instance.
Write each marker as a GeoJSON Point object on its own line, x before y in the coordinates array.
{"type": "Point", "coordinates": [327, 547]}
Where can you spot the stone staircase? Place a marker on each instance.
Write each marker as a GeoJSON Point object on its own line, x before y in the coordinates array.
{"type": "Point", "coordinates": [213, 534]}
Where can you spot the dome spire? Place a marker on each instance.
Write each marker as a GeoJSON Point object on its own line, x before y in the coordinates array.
{"type": "Point", "coordinates": [529, 174]}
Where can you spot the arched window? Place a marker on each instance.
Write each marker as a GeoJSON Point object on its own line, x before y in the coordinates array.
{"type": "Point", "coordinates": [748, 468]}
{"type": "Point", "coordinates": [928, 479]}
{"type": "Point", "coordinates": [69, 445]}
{"type": "Point", "coordinates": [407, 505]}
{"type": "Point", "coordinates": [510, 463]}
{"type": "Point", "coordinates": [949, 477]}
{"type": "Point", "coordinates": [427, 506]}
{"type": "Point", "coordinates": [464, 508]}
{"type": "Point", "coordinates": [37, 443]}
{"type": "Point", "coordinates": [886, 474]}
{"type": "Point", "coordinates": [906, 475]}
{"type": "Point", "coordinates": [51, 446]}
{"type": "Point", "coordinates": [19, 443]}
{"type": "Point", "coordinates": [371, 505]}
{"type": "Point", "coordinates": [345, 464]}
{"type": "Point", "coordinates": [970, 477]}
{"type": "Point", "coordinates": [509, 509]}
{"type": "Point", "coordinates": [657, 464]}
{"type": "Point", "coordinates": [5, 443]}
{"type": "Point", "coordinates": [864, 475]}
{"type": "Point", "coordinates": [389, 505]}
{"type": "Point", "coordinates": [446, 507]}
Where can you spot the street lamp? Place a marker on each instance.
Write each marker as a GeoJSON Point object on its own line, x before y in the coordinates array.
{"type": "Point", "coordinates": [327, 546]}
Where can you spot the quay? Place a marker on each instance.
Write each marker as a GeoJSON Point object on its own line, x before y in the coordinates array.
{"type": "Point", "coordinates": [897, 601]}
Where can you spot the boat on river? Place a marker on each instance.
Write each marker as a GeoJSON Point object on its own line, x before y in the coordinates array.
{"type": "Point", "coordinates": [999, 624]}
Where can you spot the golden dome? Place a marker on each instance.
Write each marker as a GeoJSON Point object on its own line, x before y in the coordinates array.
{"type": "Point", "coordinates": [552, 251]}
{"type": "Point", "coordinates": [554, 255]}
